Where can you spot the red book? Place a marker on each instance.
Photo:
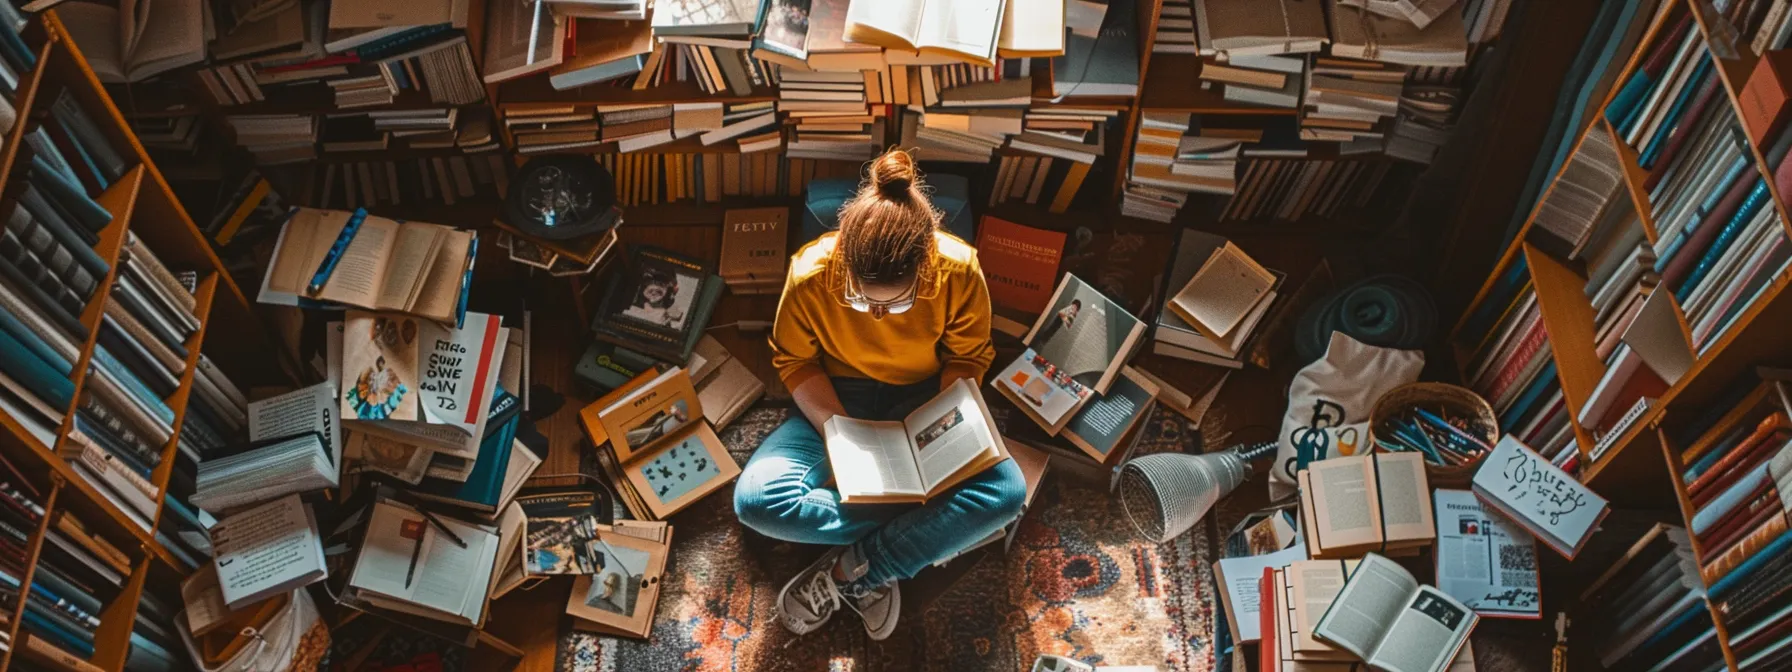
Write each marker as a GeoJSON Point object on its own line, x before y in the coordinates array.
{"type": "Point", "coordinates": [1688, 256]}
{"type": "Point", "coordinates": [1528, 350]}
{"type": "Point", "coordinates": [1020, 263]}
{"type": "Point", "coordinates": [1738, 525]}
{"type": "Point", "coordinates": [1268, 657]}
{"type": "Point", "coordinates": [1773, 423]}
{"type": "Point", "coordinates": [1682, 130]}
{"type": "Point", "coordinates": [1663, 51]}
{"type": "Point", "coordinates": [1757, 454]}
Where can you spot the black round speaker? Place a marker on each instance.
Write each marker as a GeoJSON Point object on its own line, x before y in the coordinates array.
{"type": "Point", "coordinates": [562, 196]}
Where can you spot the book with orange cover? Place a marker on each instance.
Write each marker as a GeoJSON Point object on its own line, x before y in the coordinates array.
{"type": "Point", "coordinates": [1021, 263]}
{"type": "Point", "coordinates": [1757, 539]}
{"type": "Point", "coordinates": [1268, 658]}
{"type": "Point", "coordinates": [1760, 439]}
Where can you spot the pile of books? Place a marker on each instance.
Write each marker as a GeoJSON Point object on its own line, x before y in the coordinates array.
{"type": "Point", "coordinates": [1655, 586]}
{"type": "Point", "coordinates": [1267, 80]}
{"type": "Point", "coordinates": [1351, 101]}
{"type": "Point", "coordinates": [276, 138]}
{"type": "Point", "coordinates": [1201, 261]}
{"type": "Point", "coordinates": [351, 54]}
{"type": "Point", "coordinates": [1512, 368]}
{"type": "Point", "coordinates": [1154, 190]}
{"type": "Point", "coordinates": [660, 304]}
{"type": "Point", "coordinates": [1051, 158]}
{"type": "Point", "coordinates": [1175, 28]}
{"type": "Point", "coordinates": [430, 128]}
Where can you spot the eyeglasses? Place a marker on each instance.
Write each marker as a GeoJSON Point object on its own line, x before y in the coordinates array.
{"type": "Point", "coordinates": [855, 297]}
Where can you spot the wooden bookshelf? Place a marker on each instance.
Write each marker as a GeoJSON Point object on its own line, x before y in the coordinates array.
{"type": "Point", "coordinates": [141, 204]}
{"type": "Point", "coordinates": [1755, 335]}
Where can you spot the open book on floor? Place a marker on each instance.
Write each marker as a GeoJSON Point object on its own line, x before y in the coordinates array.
{"type": "Point", "coordinates": [1074, 351]}
{"type": "Point", "coordinates": [1393, 622]}
{"type": "Point", "coordinates": [666, 455]}
{"type": "Point", "coordinates": [1373, 502]}
{"type": "Point", "coordinates": [427, 565]}
{"type": "Point", "coordinates": [332, 257]}
{"type": "Point", "coordinates": [945, 441]}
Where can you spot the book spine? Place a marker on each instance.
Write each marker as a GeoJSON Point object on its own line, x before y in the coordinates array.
{"type": "Point", "coordinates": [42, 652]}
{"type": "Point", "coordinates": [1756, 199]}
{"type": "Point", "coordinates": [123, 479]}
{"type": "Point", "coordinates": [77, 532]}
{"type": "Point", "coordinates": [132, 385]}
{"type": "Point", "coordinates": [18, 362]}
{"type": "Point", "coordinates": [1770, 533]}
{"type": "Point", "coordinates": [1719, 506]}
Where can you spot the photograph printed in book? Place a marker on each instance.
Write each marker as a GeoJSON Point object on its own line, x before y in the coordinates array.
{"type": "Point", "coordinates": [562, 536]}
{"type": "Point", "coordinates": [656, 296]}
{"type": "Point", "coordinates": [616, 585]}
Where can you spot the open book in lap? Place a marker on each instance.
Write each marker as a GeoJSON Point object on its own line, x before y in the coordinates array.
{"type": "Point", "coordinates": [1384, 615]}
{"type": "Point", "coordinates": [945, 441]}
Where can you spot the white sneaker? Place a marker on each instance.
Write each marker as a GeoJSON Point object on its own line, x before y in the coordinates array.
{"type": "Point", "coordinates": [879, 608]}
{"type": "Point", "coordinates": [810, 598]}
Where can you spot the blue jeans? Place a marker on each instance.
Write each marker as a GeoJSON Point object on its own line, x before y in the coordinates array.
{"type": "Point", "coordinates": [782, 494]}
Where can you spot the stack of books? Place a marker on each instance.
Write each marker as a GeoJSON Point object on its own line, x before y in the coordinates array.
{"type": "Point", "coordinates": [971, 137]}
{"type": "Point", "coordinates": [614, 10]}
{"type": "Point", "coordinates": [1175, 28]}
{"type": "Point", "coordinates": [1655, 586]}
{"type": "Point", "coordinates": [1195, 266]}
{"type": "Point", "coordinates": [603, 51]}
{"type": "Point", "coordinates": [276, 138]}
{"type": "Point", "coordinates": [1161, 178]}
{"type": "Point", "coordinates": [1051, 158]}
{"type": "Point", "coordinates": [1268, 80]}
{"type": "Point", "coordinates": [1512, 368]}
{"type": "Point", "coordinates": [1351, 100]}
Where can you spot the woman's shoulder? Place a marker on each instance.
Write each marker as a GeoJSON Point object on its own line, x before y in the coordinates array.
{"type": "Point", "coordinates": [953, 253]}
{"type": "Point", "coordinates": [811, 261]}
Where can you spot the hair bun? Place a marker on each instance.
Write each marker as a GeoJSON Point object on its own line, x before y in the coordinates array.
{"type": "Point", "coordinates": [893, 174]}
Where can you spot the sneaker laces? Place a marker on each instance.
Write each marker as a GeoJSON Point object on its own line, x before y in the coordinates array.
{"type": "Point", "coordinates": [819, 595]}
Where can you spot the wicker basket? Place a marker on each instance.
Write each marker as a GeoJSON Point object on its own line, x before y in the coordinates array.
{"type": "Point", "coordinates": [1459, 401]}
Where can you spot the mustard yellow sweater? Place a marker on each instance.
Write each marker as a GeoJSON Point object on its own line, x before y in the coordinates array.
{"type": "Point", "coordinates": [947, 331]}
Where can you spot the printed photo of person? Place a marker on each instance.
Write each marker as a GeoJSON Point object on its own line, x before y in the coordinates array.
{"type": "Point", "coordinates": [1063, 318]}
{"type": "Point", "coordinates": [662, 298]}
{"type": "Point", "coordinates": [617, 583]}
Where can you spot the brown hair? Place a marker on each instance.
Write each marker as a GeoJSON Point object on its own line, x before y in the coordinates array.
{"type": "Point", "coordinates": [886, 230]}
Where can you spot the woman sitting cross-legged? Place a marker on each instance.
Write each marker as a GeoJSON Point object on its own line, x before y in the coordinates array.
{"type": "Point", "coordinates": [875, 320]}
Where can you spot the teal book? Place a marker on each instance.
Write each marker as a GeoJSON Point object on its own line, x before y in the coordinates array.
{"type": "Point", "coordinates": [1757, 198]}
{"type": "Point", "coordinates": [485, 485]}
{"type": "Point", "coordinates": [70, 195]}
{"type": "Point", "coordinates": [51, 386]}
{"type": "Point", "coordinates": [132, 385]}
{"type": "Point", "coordinates": [1545, 380]}
{"type": "Point", "coordinates": [56, 633]}
{"type": "Point", "coordinates": [10, 324]}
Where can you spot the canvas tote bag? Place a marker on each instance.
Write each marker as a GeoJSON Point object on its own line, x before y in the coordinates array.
{"type": "Point", "coordinates": [293, 638]}
{"type": "Point", "coordinates": [1330, 400]}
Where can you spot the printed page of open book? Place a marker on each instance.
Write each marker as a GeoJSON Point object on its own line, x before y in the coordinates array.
{"type": "Point", "coordinates": [947, 433]}
{"type": "Point", "coordinates": [871, 458]}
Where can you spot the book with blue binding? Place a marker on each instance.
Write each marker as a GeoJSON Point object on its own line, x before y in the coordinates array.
{"type": "Point", "coordinates": [357, 260]}
{"type": "Point", "coordinates": [1757, 199]}
{"type": "Point", "coordinates": [43, 380]}
{"type": "Point", "coordinates": [69, 197]}
{"type": "Point", "coordinates": [502, 461]}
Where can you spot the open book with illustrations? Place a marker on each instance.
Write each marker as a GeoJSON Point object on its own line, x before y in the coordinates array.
{"type": "Point", "coordinates": [1075, 351]}
{"type": "Point", "coordinates": [1393, 622]}
{"type": "Point", "coordinates": [418, 382]}
{"type": "Point", "coordinates": [667, 454]}
{"type": "Point", "coordinates": [333, 257]}
{"type": "Point", "coordinates": [943, 442]}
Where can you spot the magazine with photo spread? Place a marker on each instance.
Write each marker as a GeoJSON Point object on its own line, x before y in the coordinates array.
{"type": "Point", "coordinates": [1075, 350]}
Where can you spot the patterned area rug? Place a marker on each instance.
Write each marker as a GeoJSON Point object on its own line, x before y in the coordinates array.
{"type": "Point", "coordinates": [1075, 583]}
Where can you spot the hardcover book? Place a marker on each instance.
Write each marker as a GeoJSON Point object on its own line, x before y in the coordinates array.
{"type": "Point", "coordinates": [1543, 499]}
{"type": "Point", "coordinates": [418, 381]}
{"type": "Point", "coordinates": [267, 550]}
{"type": "Point", "coordinates": [1020, 263]}
{"type": "Point", "coordinates": [666, 455]}
{"type": "Point", "coordinates": [755, 245]}
{"type": "Point", "coordinates": [621, 596]}
{"type": "Point", "coordinates": [660, 305]}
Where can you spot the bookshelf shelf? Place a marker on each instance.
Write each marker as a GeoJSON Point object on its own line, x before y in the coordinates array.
{"type": "Point", "coordinates": [535, 91]}
{"type": "Point", "coordinates": [142, 206]}
{"type": "Point", "coordinates": [33, 549]}
{"type": "Point", "coordinates": [1699, 552]}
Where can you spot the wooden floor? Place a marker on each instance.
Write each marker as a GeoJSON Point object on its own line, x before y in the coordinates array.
{"type": "Point", "coordinates": [1129, 259]}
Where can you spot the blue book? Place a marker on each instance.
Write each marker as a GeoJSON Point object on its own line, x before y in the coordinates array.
{"type": "Point", "coordinates": [1740, 575]}
{"type": "Point", "coordinates": [485, 484]}
{"type": "Point", "coordinates": [1626, 106]}
{"type": "Point", "coordinates": [79, 243]}
{"type": "Point", "coordinates": [1745, 160]}
{"type": "Point", "coordinates": [1652, 148]}
{"type": "Point", "coordinates": [52, 387]}
{"type": "Point", "coordinates": [1756, 199]}
{"type": "Point", "coordinates": [147, 656]}
{"type": "Point", "coordinates": [71, 195]}
{"type": "Point", "coordinates": [131, 385]}
{"type": "Point", "coordinates": [81, 154]}
{"type": "Point", "coordinates": [1545, 381]}
{"type": "Point", "coordinates": [51, 578]}
{"type": "Point", "coordinates": [1497, 299]}
{"type": "Point", "coordinates": [14, 49]}
{"type": "Point", "coordinates": [10, 324]}
{"type": "Point", "coordinates": [56, 633]}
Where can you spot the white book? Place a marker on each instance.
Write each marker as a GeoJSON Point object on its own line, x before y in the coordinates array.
{"type": "Point", "coordinates": [408, 562]}
{"type": "Point", "coordinates": [1473, 549]}
{"type": "Point", "coordinates": [266, 551]}
{"type": "Point", "coordinates": [1545, 500]}
{"type": "Point", "coordinates": [940, 444]}
{"type": "Point", "coordinates": [1393, 622]}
